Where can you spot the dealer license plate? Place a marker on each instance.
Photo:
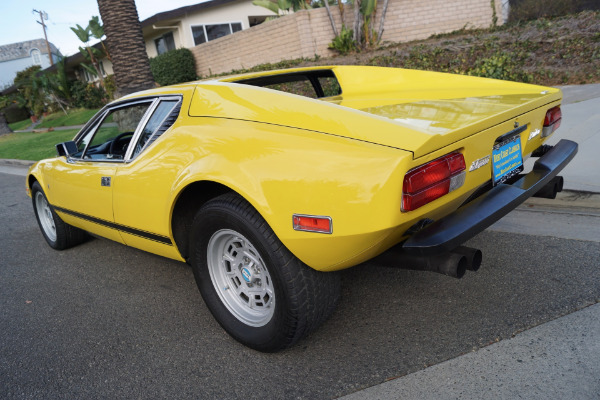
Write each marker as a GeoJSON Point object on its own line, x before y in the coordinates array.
{"type": "Point", "coordinates": [507, 159]}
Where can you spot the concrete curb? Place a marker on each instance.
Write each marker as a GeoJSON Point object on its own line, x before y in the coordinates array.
{"type": "Point", "coordinates": [16, 163]}
{"type": "Point", "coordinates": [50, 129]}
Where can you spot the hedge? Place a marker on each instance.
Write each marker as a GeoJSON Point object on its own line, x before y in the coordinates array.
{"type": "Point", "coordinates": [172, 67]}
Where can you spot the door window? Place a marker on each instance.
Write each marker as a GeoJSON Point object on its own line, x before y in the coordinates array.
{"type": "Point", "coordinates": [110, 139]}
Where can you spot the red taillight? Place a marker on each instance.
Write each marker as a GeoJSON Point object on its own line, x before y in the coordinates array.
{"type": "Point", "coordinates": [432, 180]}
{"type": "Point", "coordinates": [312, 223]}
{"type": "Point", "coordinates": [552, 121]}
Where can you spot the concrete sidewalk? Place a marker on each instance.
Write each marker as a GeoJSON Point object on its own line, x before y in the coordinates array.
{"type": "Point", "coordinates": [57, 128]}
{"type": "Point", "coordinates": [556, 360]}
{"type": "Point", "coordinates": [581, 123]}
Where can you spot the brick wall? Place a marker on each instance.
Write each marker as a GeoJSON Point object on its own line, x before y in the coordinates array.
{"type": "Point", "coordinates": [308, 33]}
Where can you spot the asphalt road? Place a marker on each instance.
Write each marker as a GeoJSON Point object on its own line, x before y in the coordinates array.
{"type": "Point", "coordinates": [105, 321]}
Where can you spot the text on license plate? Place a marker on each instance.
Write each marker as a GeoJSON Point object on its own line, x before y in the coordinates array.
{"type": "Point", "coordinates": [507, 160]}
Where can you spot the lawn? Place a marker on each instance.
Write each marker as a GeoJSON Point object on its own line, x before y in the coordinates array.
{"type": "Point", "coordinates": [75, 117]}
{"type": "Point", "coordinates": [33, 146]}
{"type": "Point", "coordinates": [17, 126]}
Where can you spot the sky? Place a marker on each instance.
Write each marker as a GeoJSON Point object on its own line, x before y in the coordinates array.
{"type": "Point", "coordinates": [18, 22]}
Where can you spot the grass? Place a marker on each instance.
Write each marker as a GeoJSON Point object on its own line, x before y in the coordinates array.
{"type": "Point", "coordinates": [17, 126]}
{"type": "Point", "coordinates": [33, 146]}
{"type": "Point", "coordinates": [75, 117]}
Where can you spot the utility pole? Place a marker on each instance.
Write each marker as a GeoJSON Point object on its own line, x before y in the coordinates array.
{"type": "Point", "coordinates": [43, 16]}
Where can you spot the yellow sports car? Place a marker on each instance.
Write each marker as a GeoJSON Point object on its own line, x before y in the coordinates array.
{"type": "Point", "coordinates": [267, 183]}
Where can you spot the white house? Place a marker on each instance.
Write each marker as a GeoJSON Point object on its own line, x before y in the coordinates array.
{"type": "Point", "coordinates": [192, 25]}
{"type": "Point", "coordinates": [16, 57]}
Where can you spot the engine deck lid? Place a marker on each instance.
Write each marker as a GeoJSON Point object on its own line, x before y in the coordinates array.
{"type": "Point", "coordinates": [417, 111]}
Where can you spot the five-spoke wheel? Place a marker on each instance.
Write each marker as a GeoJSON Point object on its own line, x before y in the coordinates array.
{"type": "Point", "coordinates": [240, 277]}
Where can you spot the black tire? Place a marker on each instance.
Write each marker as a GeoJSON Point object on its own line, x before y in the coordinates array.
{"type": "Point", "coordinates": [303, 297]}
{"type": "Point", "coordinates": [58, 234]}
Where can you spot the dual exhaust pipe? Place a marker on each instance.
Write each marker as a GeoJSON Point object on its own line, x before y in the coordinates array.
{"type": "Point", "coordinates": [454, 263]}
{"type": "Point", "coordinates": [551, 188]}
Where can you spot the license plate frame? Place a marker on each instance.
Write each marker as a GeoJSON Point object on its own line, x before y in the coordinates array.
{"type": "Point", "coordinates": [507, 159]}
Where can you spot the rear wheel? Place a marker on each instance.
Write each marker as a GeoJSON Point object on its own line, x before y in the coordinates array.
{"type": "Point", "coordinates": [58, 234]}
{"type": "Point", "coordinates": [259, 292]}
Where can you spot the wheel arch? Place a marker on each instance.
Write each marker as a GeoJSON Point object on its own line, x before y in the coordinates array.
{"type": "Point", "coordinates": [189, 200]}
{"type": "Point", "coordinates": [31, 179]}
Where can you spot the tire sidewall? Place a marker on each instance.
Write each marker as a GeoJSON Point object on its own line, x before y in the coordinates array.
{"type": "Point", "coordinates": [207, 222]}
{"type": "Point", "coordinates": [55, 244]}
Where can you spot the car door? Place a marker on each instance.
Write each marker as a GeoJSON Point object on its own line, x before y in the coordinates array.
{"type": "Point", "coordinates": [143, 184]}
{"type": "Point", "coordinates": [81, 185]}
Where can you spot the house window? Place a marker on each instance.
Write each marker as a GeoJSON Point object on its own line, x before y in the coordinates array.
{"type": "Point", "coordinates": [36, 56]}
{"type": "Point", "coordinates": [165, 43]}
{"type": "Point", "coordinates": [88, 77]}
{"type": "Point", "coordinates": [205, 33]}
{"type": "Point", "coordinates": [102, 68]}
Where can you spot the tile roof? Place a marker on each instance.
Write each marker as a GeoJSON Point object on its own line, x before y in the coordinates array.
{"type": "Point", "coordinates": [15, 51]}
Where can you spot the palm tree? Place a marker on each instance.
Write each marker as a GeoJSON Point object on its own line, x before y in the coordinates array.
{"type": "Point", "coordinates": [126, 45]}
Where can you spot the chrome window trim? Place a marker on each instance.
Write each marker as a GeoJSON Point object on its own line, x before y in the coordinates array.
{"type": "Point", "coordinates": [140, 128]}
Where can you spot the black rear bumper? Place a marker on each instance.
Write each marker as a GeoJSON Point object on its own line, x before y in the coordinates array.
{"type": "Point", "coordinates": [472, 218]}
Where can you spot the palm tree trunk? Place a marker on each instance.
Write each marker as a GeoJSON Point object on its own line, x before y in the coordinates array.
{"type": "Point", "coordinates": [341, 7]}
{"type": "Point", "coordinates": [357, 20]}
{"type": "Point", "coordinates": [330, 17]}
{"type": "Point", "coordinates": [126, 45]}
{"type": "Point", "coordinates": [382, 20]}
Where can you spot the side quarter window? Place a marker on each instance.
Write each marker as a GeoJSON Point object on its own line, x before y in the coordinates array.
{"type": "Point", "coordinates": [164, 115]}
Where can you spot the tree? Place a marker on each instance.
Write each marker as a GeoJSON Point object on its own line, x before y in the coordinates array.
{"type": "Point", "coordinates": [88, 52]}
{"type": "Point", "coordinates": [28, 90]}
{"type": "Point", "coordinates": [283, 7]}
{"type": "Point", "coordinates": [363, 28]}
{"type": "Point", "coordinates": [97, 30]}
{"type": "Point", "coordinates": [4, 128]}
{"type": "Point", "coordinates": [126, 45]}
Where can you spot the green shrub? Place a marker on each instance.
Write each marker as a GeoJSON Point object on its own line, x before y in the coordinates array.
{"type": "Point", "coordinates": [87, 95]}
{"type": "Point", "coordinates": [172, 67]}
{"type": "Point", "coordinates": [500, 66]}
{"type": "Point", "coordinates": [344, 42]}
{"type": "Point", "coordinates": [110, 86]}
{"type": "Point", "coordinates": [14, 113]}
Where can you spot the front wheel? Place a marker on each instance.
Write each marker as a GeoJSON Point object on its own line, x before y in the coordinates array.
{"type": "Point", "coordinates": [259, 292]}
{"type": "Point", "coordinates": [58, 234]}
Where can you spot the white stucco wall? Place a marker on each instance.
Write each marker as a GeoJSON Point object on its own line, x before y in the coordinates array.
{"type": "Point", "coordinates": [182, 35]}
{"type": "Point", "coordinates": [108, 69]}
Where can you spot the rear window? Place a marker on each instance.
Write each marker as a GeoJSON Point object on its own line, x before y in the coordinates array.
{"type": "Point", "coordinates": [313, 84]}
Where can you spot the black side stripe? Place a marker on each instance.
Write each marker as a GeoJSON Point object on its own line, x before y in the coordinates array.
{"type": "Point", "coordinates": [127, 229]}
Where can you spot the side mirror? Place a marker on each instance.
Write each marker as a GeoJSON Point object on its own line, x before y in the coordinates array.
{"type": "Point", "coordinates": [66, 148]}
